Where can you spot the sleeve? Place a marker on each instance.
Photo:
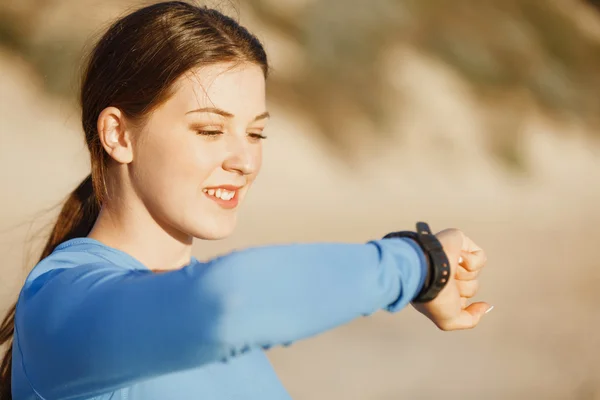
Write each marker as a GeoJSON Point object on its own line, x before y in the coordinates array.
{"type": "Point", "coordinates": [101, 327]}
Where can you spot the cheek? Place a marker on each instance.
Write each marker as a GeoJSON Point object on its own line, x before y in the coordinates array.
{"type": "Point", "coordinates": [172, 169]}
{"type": "Point", "coordinates": [257, 161]}
{"type": "Point", "coordinates": [189, 171]}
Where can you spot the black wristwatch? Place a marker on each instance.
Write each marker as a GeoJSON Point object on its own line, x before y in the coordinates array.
{"type": "Point", "coordinates": [438, 271]}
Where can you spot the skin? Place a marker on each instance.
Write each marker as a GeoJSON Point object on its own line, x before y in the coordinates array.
{"type": "Point", "coordinates": [156, 202]}
{"type": "Point", "coordinates": [451, 310]}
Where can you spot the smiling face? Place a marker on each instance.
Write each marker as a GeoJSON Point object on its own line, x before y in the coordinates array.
{"type": "Point", "coordinates": [196, 155]}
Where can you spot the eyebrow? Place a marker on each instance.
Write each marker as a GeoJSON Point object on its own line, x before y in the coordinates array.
{"type": "Point", "coordinates": [226, 114]}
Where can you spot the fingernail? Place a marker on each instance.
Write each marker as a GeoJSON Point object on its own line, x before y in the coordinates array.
{"type": "Point", "coordinates": [460, 260]}
{"type": "Point", "coordinates": [489, 309]}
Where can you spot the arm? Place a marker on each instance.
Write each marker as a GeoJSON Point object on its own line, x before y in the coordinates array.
{"type": "Point", "coordinates": [102, 327]}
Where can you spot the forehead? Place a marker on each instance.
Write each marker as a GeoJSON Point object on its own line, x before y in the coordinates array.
{"type": "Point", "coordinates": [238, 89]}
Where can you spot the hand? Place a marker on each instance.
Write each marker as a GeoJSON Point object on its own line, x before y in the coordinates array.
{"type": "Point", "coordinates": [450, 310]}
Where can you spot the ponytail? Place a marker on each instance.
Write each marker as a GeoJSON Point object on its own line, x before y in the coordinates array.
{"type": "Point", "coordinates": [76, 219]}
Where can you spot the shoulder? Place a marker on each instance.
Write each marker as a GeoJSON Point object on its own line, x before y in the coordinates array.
{"type": "Point", "coordinates": [68, 274]}
{"type": "Point", "coordinates": [81, 252]}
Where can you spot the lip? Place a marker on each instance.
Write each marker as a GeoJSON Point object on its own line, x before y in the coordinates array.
{"type": "Point", "coordinates": [231, 188]}
{"type": "Point", "coordinates": [227, 204]}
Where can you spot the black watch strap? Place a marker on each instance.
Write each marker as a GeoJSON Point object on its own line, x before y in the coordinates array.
{"type": "Point", "coordinates": [439, 267]}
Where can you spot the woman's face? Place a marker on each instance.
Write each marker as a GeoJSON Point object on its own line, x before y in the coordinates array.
{"type": "Point", "coordinates": [197, 155]}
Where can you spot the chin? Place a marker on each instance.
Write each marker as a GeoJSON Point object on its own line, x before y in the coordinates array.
{"type": "Point", "coordinates": [216, 231]}
{"type": "Point", "coordinates": [213, 236]}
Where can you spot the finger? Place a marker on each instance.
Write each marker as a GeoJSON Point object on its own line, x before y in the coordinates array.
{"type": "Point", "coordinates": [469, 317]}
{"type": "Point", "coordinates": [464, 275]}
{"type": "Point", "coordinates": [473, 260]}
{"type": "Point", "coordinates": [469, 246]}
{"type": "Point", "coordinates": [463, 302]}
{"type": "Point", "coordinates": [467, 289]}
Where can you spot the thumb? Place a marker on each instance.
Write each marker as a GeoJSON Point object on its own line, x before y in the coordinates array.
{"type": "Point", "coordinates": [470, 316]}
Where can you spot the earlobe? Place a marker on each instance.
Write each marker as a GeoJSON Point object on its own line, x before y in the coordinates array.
{"type": "Point", "coordinates": [114, 136]}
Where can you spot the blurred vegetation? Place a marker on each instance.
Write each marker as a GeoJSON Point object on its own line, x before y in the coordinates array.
{"type": "Point", "coordinates": [530, 48]}
{"type": "Point", "coordinates": [505, 49]}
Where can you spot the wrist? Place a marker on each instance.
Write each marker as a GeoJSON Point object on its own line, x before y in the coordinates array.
{"type": "Point", "coordinates": [425, 268]}
{"type": "Point", "coordinates": [437, 271]}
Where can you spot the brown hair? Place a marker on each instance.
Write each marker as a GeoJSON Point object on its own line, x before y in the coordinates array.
{"type": "Point", "coordinates": [133, 67]}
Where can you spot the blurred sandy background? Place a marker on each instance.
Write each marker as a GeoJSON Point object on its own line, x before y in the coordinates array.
{"type": "Point", "coordinates": [481, 115]}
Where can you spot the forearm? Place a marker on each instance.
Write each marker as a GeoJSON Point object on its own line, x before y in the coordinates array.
{"type": "Point", "coordinates": [277, 295]}
{"type": "Point", "coordinates": [106, 328]}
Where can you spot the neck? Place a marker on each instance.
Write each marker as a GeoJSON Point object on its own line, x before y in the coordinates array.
{"type": "Point", "coordinates": [134, 231]}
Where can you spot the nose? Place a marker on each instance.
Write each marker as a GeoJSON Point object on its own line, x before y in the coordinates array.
{"type": "Point", "coordinates": [242, 157]}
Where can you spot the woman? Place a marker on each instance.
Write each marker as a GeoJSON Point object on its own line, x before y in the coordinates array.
{"type": "Point", "coordinates": [173, 110]}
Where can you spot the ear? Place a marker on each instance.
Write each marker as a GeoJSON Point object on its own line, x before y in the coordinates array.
{"type": "Point", "coordinates": [114, 136]}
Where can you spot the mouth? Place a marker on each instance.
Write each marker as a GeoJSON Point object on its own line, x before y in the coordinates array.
{"type": "Point", "coordinates": [225, 196]}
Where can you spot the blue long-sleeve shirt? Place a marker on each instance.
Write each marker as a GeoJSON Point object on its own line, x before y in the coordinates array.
{"type": "Point", "coordinates": [92, 322]}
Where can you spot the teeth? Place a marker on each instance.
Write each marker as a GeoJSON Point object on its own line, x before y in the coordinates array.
{"type": "Point", "coordinates": [226, 195]}
{"type": "Point", "coordinates": [220, 193]}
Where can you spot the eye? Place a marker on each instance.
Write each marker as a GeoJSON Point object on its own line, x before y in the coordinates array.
{"type": "Point", "coordinates": [209, 133]}
{"type": "Point", "coordinates": [257, 136]}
